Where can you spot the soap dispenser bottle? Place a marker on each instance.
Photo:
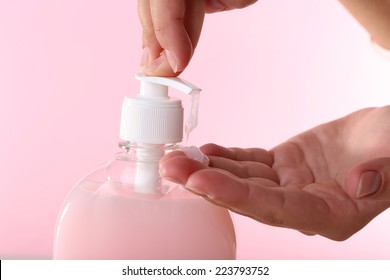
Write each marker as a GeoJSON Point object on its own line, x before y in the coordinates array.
{"type": "Point", "coordinates": [125, 210]}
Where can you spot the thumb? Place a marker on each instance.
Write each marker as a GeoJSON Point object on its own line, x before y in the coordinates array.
{"type": "Point", "coordinates": [370, 179]}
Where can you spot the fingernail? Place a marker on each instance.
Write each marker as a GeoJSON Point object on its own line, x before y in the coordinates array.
{"type": "Point", "coordinates": [174, 180]}
{"type": "Point", "coordinates": [171, 60]}
{"type": "Point", "coordinates": [153, 66]}
{"type": "Point", "coordinates": [370, 182]}
{"type": "Point", "coordinates": [162, 172]}
{"type": "Point", "coordinates": [195, 154]}
{"type": "Point", "coordinates": [196, 190]}
{"type": "Point", "coordinates": [145, 57]}
{"type": "Point", "coordinates": [217, 6]}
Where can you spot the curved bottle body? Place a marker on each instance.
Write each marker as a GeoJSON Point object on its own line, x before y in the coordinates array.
{"type": "Point", "coordinates": [104, 217]}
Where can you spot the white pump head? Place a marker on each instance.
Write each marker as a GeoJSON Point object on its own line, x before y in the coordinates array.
{"type": "Point", "coordinates": [152, 117]}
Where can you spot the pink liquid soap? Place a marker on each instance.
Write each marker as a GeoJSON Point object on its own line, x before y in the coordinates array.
{"type": "Point", "coordinates": [113, 222]}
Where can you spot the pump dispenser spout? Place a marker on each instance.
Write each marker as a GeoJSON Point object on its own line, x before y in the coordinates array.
{"type": "Point", "coordinates": [153, 117]}
{"type": "Point", "coordinates": [158, 86]}
{"type": "Point", "coordinates": [152, 120]}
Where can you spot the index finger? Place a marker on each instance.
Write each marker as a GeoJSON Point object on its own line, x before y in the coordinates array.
{"type": "Point", "coordinates": [171, 30]}
{"type": "Point", "coordinates": [263, 201]}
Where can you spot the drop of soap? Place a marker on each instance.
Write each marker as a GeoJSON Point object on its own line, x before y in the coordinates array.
{"type": "Point", "coordinates": [192, 120]}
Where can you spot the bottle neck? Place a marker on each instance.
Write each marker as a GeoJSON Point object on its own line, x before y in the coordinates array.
{"type": "Point", "coordinates": [148, 152]}
{"type": "Point", "coordinates": [146, 157]}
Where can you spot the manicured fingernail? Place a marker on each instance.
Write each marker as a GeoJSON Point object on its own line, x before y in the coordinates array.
{"type": "Point", "coordinates": [145, 58]}
{"type": "Point", "coordinates": [171, 60]}
{"type": "Point", "coordinates": [195, 154]}
{"type": "Point", "coordinates": [370, 182]}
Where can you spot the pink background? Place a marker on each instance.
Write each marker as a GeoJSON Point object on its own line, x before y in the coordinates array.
{"type": "Point", "coordinates": [267, 72]}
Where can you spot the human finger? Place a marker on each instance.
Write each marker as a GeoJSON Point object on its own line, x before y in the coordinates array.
{"type": "Point", "coordinates": [283, 207]}
{"type": "Point", "coordinates": [176, 26]}
{"type": "Point", "coordinates": [244, 169]}
{"type": "Point", "coordinates": [151, 47]}
{"type": "Point", "coordinates": [212, 6]}
{"type": "Point", "coordinates": [370, 180]}
{"type": "Point", "coordinates": [239, 154]}
{"type": "Point", "coordinates": [177, 167]}
{"type": "Point", "coordinates": [154, 60]}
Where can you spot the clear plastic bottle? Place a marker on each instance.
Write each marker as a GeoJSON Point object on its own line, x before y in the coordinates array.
{"type": "Point", "coordinates": [125, 210]}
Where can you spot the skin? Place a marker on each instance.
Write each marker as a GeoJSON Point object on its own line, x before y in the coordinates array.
{"type": "Point", "coordinates": [308, 183]}
{"type": "Point", "coordinates": [374, 16]}
{"type": "Point", "coordinates": [331, 180]}
{"type": "Point", "coordinates": [171, 31]}
{"type": "Point", "coordinates": [172, 28]}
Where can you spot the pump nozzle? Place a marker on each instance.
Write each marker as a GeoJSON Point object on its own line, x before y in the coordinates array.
{"type": "Point", "coordinates": [154, 118]}
{"type": "Point", "coordinates": [158, 86]}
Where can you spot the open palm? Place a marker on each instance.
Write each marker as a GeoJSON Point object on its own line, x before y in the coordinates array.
{"type": "Point", "coordinates": [306, 183]}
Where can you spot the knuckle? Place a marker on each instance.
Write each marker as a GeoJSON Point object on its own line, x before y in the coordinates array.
{"type": "Point", "coordinates": [159, 28]}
